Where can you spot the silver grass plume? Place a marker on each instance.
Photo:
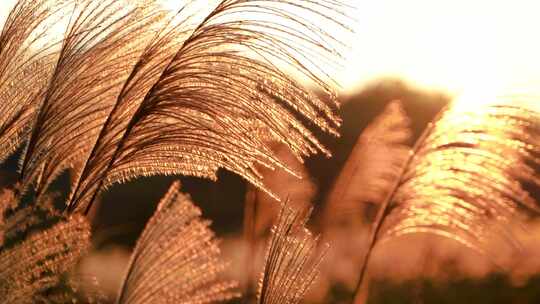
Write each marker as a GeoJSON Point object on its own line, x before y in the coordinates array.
{"type": "Point", "coordinates": [39, 247]}
{"type": "Point", "coordinates": [144, 73]}
{"type": "Point", "coordinates": [25, 67]}
{"type": "Point", "coordinates": [103, 39]}
{"type": "Point", "coordinates": [219, 97]}
{"type": "Point", "coordinates": [176, 259]}
{"type": "Point", "coordinates": [372, 167]}
{"type": "Point", "coordinates": [292, 260]}
{"type": "Point", "coordinates": [468, 178]}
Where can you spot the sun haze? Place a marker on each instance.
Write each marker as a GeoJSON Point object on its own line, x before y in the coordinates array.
{"type": "Point", "coordinates": [454, 46]}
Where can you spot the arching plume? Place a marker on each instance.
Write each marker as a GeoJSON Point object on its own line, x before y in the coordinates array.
{"type": "Point", "coordinates": [26, 60]}
{"type": "Point", "coordinates": [469, 177]}
{"type": "Point", "coordinates": [103, 40]}
{"type": "Point", "coordinates": [292, 260]}
{"type": "Point", "coordinates": [176, 259]}
{"type": "Point", "coordinates": [219, 97]}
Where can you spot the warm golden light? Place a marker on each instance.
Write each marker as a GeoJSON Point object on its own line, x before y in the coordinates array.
{"type": "Point", "coordinates": [423, 185]}
{"type": "Point", "coordinates": [457, 46]}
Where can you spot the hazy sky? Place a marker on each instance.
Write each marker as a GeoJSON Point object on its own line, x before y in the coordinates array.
{"type": "Point", "coordinates": [457, 45]}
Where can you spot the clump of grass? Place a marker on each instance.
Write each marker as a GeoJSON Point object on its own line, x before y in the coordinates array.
{"type": "Point", "coordinates": [132, 91]}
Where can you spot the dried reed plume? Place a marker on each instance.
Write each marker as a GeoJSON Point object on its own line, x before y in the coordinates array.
{"type": "Point", "coordinates": [39, 247]}
{"type": "Point", "coordinates": [176, 259]}
{"type": "Point", "coordinates": [373, 165]}
{"type": "Point", "coordinates": [197, 110]}
{"type": "Point", "coordinates": [25, 64]}
{"type": "Point", "coordinates": [122, 101]}
{"type": "Point", "coordinates": [102, 41]}
{"type": "Point", "coordinates": [292, 261]}
{"type": "Point", "coordinates": [468, 178]}
{"type": "Point", "coordinates": [131, 91]}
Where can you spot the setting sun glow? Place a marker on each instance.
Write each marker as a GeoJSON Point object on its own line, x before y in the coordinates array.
{"type": "Point", "coordinates": [454, 46]}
